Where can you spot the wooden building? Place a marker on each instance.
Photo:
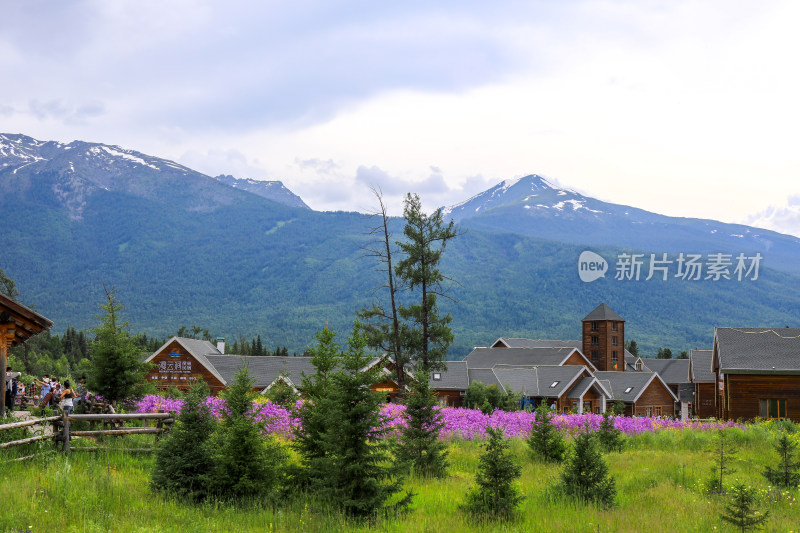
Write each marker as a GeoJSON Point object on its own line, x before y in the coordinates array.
{"type": "Point", "coordinates": [565, 387]}
{"type": "Point", "coordinates": [181, 361]}
{"type": "Point", "coordinates": [17, 324]}
{"type": "Point", "coordinates": [675, 373]}
{"type": "Point", "coordinates": [705, 383]}
{"type": "Point", "coordinates": [643, 393]}
{"type": "Point", "coordinates": [603, 339]}
{"type": "Point", "coordinates": [758, 370]}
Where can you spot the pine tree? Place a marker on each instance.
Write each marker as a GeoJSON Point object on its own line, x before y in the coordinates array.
{"type": "Point", "coordinates": [183, 458]}
{"type": "Point", "coordinates": [357, 472]}
{"type": "Point", "coordinates": [419, 444]}
{"type": "Point", "coordinates": [585, 473]}
{"type": "Point", "coordinates": [247, 464]}
{"type": "Point", "coordinates": [425, 335]}
{"type": "Point", "coordinates": [496, 495]}
{"type": "Point", "coordinates": [546, 443]}
{"type": "Point", "coordinates": [117, 372]}
{"type": "Point", "coordinates": [723, 455]}
{"type": "Point", "coordinates": [313, 412]}
{"type": "Point", "coordinates": [741, 508]}
{"type": "Point", "coordinates": [609, 437]}
{"type": "Point", "coordinates": [787, 473]}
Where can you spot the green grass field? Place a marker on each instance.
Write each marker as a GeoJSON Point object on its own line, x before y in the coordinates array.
{"type": "Point", "coordinates": [659, 482]}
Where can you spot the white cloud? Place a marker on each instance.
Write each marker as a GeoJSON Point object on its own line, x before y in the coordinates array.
{"type": "Point", "coordinates": [781, 218]}
{"type": "Point", "coordinates": [684, 108]}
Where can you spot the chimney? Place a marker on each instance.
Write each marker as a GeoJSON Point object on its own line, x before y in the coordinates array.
{"type": "Point", "coordinates": [221, 345]}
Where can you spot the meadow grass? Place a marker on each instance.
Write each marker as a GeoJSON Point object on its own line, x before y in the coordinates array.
{"type": "Point", "coordinates": [659, 478]}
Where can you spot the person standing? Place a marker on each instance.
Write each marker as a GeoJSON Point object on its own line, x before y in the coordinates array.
{"type": "Point", "coordinates": [10, 377]}
{"type": "Point", "coordinates": [67, 394]}
{"type": "Point", "coordinates": [46, 387]}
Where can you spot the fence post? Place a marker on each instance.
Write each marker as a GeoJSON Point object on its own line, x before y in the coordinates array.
{"type": "Point", "coordinates": [159, 426]}
{"type": "Point", "coordinates": [65, 431]}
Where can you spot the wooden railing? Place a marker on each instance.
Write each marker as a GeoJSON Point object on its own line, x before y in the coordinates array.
{"type": "Point", "coordinates": [113, 425]}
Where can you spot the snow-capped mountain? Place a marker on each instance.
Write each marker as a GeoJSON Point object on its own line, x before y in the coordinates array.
{"type": "Point", "coordinates": [70, 174]}
{"type": "Point", "coordinates": [532, 205]}
{"type": "Point", "coordinates": [272, 190]}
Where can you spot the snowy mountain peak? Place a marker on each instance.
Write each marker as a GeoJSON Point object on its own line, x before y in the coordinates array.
{"type": "Point", "coordinates": [532, 192]}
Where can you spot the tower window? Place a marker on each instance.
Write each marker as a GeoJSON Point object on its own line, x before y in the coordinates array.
{"type": "Point", "coordinates": [595, 340]}
{"type": "Point", "coordinates": [614, 340]}
{"type": "Point", "coordinates": [595, 326]}
{"type": "Point", "coordinates": [595, 355]}
{"type": "Point", "coordinates": [614, 357]}
{"type": "Point", "coordinates": [613, 326]}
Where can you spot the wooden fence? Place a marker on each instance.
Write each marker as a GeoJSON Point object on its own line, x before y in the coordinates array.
{"type": "Point", "coordinates": [112, 424]}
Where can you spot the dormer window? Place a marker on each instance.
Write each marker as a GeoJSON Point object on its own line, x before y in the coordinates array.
{"type": "Point", "coordinates": [628, 390]}
{"type": "Point", "coordinates": [638, 365]}
{"type": "Point", "coordinates": [554, 384]}
{"type": "Point", "coordinates": [437, 376]}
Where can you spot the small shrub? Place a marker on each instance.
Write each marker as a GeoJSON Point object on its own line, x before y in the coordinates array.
{"type": "Point", "coordinates": [741, 509]}
{"type": "Point", "coordinates": [787, 472]}
{"type": "Point", "coordinates": [546, 442]}
{"type": "Point", "coordinates": [496, 495]}
{"type": "Point", "coordinates": [585, 473]}
{"type": "Point", "coordinates": [183, 457]}
{"type": "Point", "coordinates": [609, 437]}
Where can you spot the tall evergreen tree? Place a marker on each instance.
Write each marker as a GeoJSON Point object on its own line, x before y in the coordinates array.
{"type": "Point", "coordinates": [428, 335]}
{"type": "Point", "coordinates": [313, 413]}
{"type": "Point", "coordinates": [247, 464]}
{"type": "Point", "coordinates": [633, 348]}
{"type": "Point", "coordinates": [425, 335]}
{"type": "Point", "coordinates": [117, 371]}
{"type": "Point", "coordinates": [585, 473]}
{"type": "Point", "coordinates": [183, 458]}
{"type": "Point", "coordinates": [546, 443]}
{"type": "Point", "coordinates": [787, 472]}
{"type": "Point", "coordinates": [496, 495]}
{"type": "Point", "coordinates": [357, 472]}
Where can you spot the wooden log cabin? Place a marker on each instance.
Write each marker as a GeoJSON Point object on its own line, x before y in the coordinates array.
{"type": "Point", "coordinates": [17, 324]}
{"type": "Point", "coordinates": [758, 373]}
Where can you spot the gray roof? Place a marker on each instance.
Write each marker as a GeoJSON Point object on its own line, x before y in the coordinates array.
{"type": "Point", "coordinates": [484, 375]}
{"type": "Point", "coordinates": [757, 350]}
{"type": "Point", "coordinates": [603, 312]}
{"type": "Point", "coordinates": [513, 342]}
{"type": "Point", "coordinates": [489, 357]}
{"type": "Point", "coordinates": [700, 366]}
{"type": "Point", "coordinates": [672, 371]}
{"type": "Point", "coordinates": [616, 383]}
{"type": "Point", "coordinates": [455, 377]}
{"type": "Point", "coordinates": [538, 380]}
{"type": "Point", "coordinates": [264, 370]}
{"type": "Point", "coordinates": [581, 387]}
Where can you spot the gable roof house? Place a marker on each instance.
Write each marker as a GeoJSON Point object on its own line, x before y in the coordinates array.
{"type": "Point", "coordinates": [643, 393]}
{"type": "Point", "coordinates": [675, 373]}
{"type": "Point", "coordinates": [759, 372]}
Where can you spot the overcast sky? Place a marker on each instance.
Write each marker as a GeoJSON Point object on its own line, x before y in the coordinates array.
{"type": "Point", "coordinates": [683, 108]}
